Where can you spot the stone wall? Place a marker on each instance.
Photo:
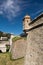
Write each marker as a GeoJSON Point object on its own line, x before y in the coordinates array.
{"type": "Point", "coordinates": [34, 52]}
{"type": "Point", "coordinates": [3, 45]}
{"type": "Point", "coordinates": [5, 42]}
{"type": "Point", "coordinates": [18, 49]}
{"type": "Point", "coordinates": [34, 55]}
{"type": "Point", "coordinates": [37, 22]}
{"type": "Point", "coordinates": [3, 49]}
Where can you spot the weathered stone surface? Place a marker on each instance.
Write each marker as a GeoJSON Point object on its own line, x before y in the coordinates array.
{"type": "Point", "coordinates": [34, 52]}
{"type": "Point", "coordinates": [3, 45]}
{"type": "Point", "coordinates": [34, 55]}
{"type": "Point", "coordinates": [18, 49]}
{"type": "Point", "coordinates": [37, 22]}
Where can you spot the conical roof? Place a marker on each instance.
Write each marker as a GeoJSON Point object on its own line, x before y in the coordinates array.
{"type": "Point", "coordinates": [27, 16]}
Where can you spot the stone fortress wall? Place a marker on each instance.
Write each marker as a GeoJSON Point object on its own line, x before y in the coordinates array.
{"type": "Point", "coordinates": [18, 49]}
{"type": "Point", "coordinates": [34, 52]}
{"type": "Point", "coordinates": [32, 48]}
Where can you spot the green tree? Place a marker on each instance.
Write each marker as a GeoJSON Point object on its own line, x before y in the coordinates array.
{"type": "Point", "coordinates": [1, 33]}
{"type": "Point", "coordinates": [8, 35]}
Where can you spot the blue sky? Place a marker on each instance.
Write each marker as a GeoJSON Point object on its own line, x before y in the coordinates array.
{"type": "Point", "coordinates": [13, 11]}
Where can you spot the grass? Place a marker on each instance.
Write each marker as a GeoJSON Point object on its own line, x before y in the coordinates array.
{"type": "Point", "coordinates": [17, 38]}
{"type": "Point", "coordinates": [5, 60]}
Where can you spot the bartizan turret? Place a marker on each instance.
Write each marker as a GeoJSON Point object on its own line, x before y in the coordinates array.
{"type": "Point", "coordinates": [26, 22]}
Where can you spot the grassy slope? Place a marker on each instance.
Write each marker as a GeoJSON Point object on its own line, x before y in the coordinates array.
{"type": "Point", "coordinates": [5, 60]}
{"type": "Point", "coordinates": [18, 38]}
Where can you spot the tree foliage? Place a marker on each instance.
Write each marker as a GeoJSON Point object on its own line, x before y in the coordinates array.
{"type": "Point", "coordinates": [5, 34]}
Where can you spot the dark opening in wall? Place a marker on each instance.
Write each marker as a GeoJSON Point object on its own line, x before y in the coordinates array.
{"type": "Point", "coordinates": [0, 51]}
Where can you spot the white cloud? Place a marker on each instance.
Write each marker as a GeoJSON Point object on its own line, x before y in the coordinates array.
{"type": "Point", "coordinates": [11, 8]}
{"type": "Point", "coordinates": [37, 12]}
{"type": "Point", "coordinates": [1, 12]}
